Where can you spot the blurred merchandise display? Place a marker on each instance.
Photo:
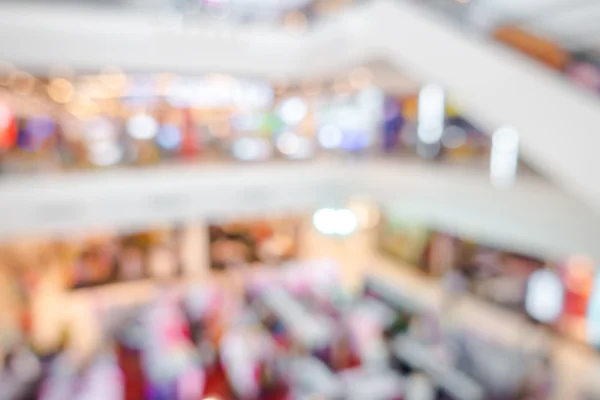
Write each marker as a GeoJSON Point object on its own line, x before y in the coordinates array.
{"type": "Point", "coordinates": [267, 241]}
{"type": "Point", "coordinates": [292, 332]}
{"type": "Point", "coordinates": [561, 295]}
{"type": "Point", "coordinates": [92, 259]}
{"type": "Point", "coordinates": [406, 242]}
{"type": "Point", "coordinates": [113, 119]}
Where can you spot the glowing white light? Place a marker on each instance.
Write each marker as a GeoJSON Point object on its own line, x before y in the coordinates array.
{"type": "Point", "coordinates": [216, 91]}
{"type": "Point", "coordinates": [249, 149]}
{"type": "Point", "coordinates": [454, 137]}
{"type": "Point", "coordinates": [105, 153]}
{"type": "Point", "coordinates": [331, 221]}
{"type": "Point", "coordinates": [330, 137]}
{"type": "Point", "coordinates": [506, 139]}
{"type": "Point", "coordinates": [288, 143]}
{"type": "Point", "coordinates": [142, 127]}
{"type": "Point", "coordinates": [324, 221]}
{"type": "Point", "coordinates": [247, 122]}
{"type": "Point", "coordinates": [294, 146]}
{"type": "Point", "coordinates": [169, 137]}
{"type": "Point", "coordinates": [545, 294]}
{"type": "Point", "coordinates": [253, 95]}
{"type": "Point", "coordinates": [346, 222]}
{"type": "Point", "coordinates": [593, 314]}
{"type": "Point", "coordinates": [431, 114]}
{"type": "Point", "coordinates": [293, 110]}
{"type": "Point", "coordinates": [504, 157]}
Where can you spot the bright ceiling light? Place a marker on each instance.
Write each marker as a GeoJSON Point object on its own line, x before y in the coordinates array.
{"type": "Point", "coordinates": [506, 139]}
{"type": "Point", "coordinates": [296, 147]}
{"type": "Point", "coordinates": [593, 314]}
{"type": "Point", "coordinates": [331, 221]}
{"type": "Point", "coordinates": [142, 127]}
{"type": "Point", "coordinates": [346, 222]}
{"type": "Point", "coordinates": [431, 114]}
{"type": "Point", "coordinates": [293, 110]}
{"type": "Point", "coordinates": [545, 295]}
{"type": "Point", "coordinates": [251, 149]}
{"type": "Point", "coordinates": [288, 143]}
{"type": "Point", "coordinates": [324, 221]}
{"type": "Point", "coordinates": [105, 153]}
{"type": "Point", "coordinates": [504, 158]}
{"type": "Point", "coordinates": [330, 137]}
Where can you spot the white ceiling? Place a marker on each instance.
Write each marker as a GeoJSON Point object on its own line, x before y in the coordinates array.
{"type": "Point", "coordinates": [574, 23]}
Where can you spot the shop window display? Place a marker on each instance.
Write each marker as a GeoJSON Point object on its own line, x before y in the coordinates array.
{"type": "Point", "coordinates": [93, 259]}
{"type": "Point", "coordinates": [266, 241]}
{"type": "Point", "coordinates": [404, 240]}
{"type": "Point", "coordinates": [559, 295]}
{"type": "Point", "coordinates": [116, 120]}
{"type": "Point", "coordinates": [119, 258]}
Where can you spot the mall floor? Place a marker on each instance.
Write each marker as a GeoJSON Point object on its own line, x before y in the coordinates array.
{"type": "Point", "coordinates": [356, 254]}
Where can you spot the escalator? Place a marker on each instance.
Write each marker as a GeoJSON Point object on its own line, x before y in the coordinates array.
{"type": "Point", "coordinates": [558, 123]}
